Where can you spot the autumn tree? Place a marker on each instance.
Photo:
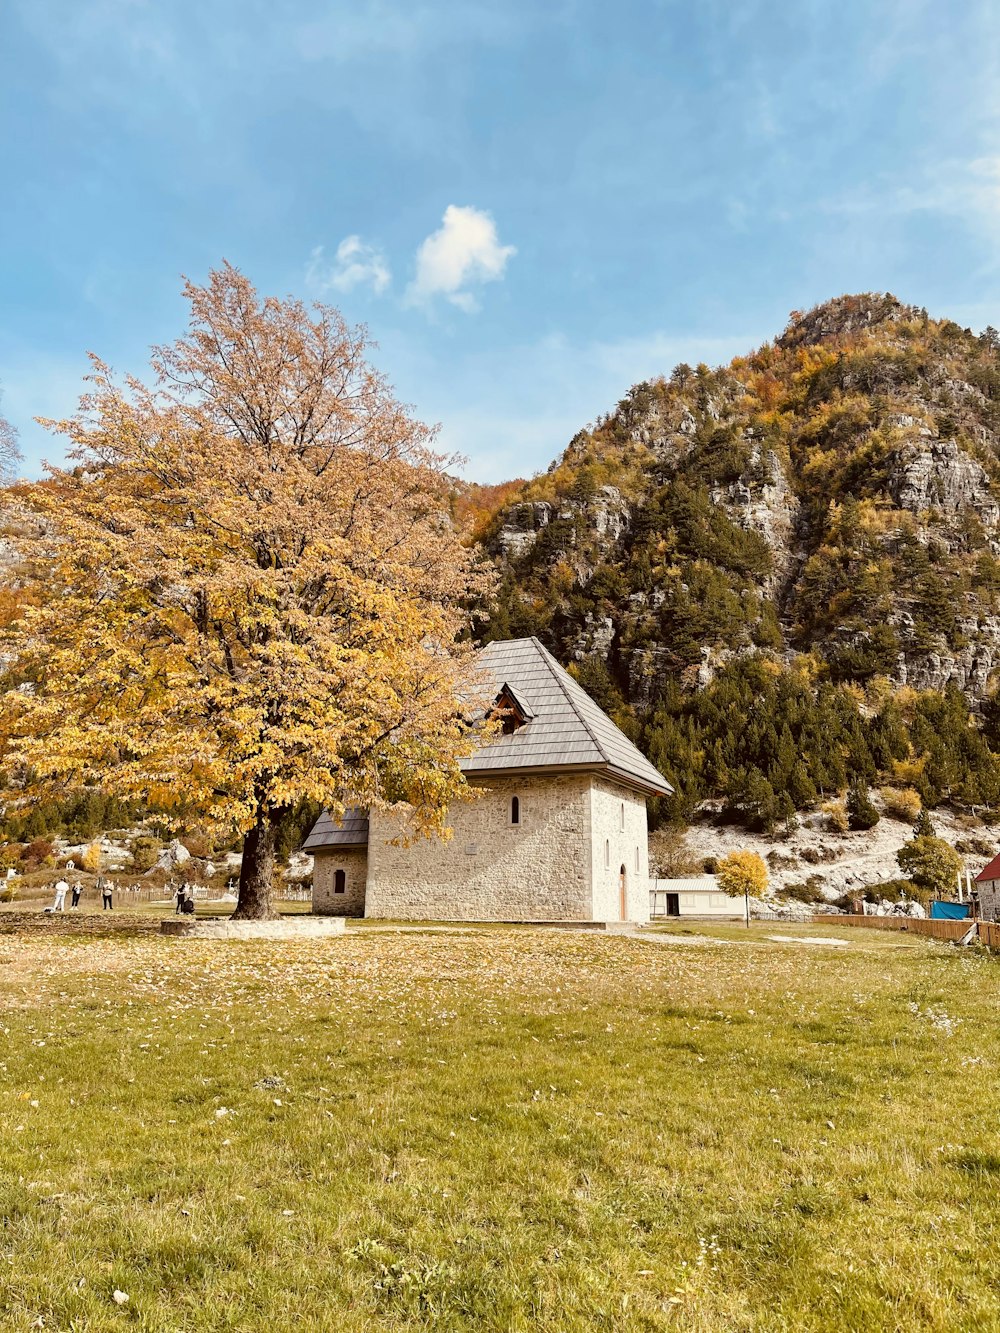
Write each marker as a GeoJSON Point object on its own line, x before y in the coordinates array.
{"type": "Point", "coordinates": [255, 593]}
{"type": "Point", "coordinates": [742, 874]}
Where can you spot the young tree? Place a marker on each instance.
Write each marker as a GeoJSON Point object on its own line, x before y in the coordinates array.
{"type": "Point", "coordinates": [931, 863]}
{"type": "Point", "coordinates": [861, 811]}
{"type": "Point", "coordinates": [923, 827]}
{"type": "Point", "coordinates": [255, 592]}
{"type": "Point", "coordinates": [742, 874]}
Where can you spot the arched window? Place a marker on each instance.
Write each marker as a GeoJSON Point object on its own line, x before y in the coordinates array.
{"type": "Point", "coordinates": [340, 881]}
{"type": "Point", "coordinates": [637, 860]}
{"type": "Point", "coordinates": [623, 816]}
{"type": "Point", "coordinates": [515, 809]}
{"type": "Point", "coordinates": [607, 853]}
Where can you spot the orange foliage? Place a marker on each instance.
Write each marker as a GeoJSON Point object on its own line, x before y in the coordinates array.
{"type": "Point", "coordinates": [254, 595]}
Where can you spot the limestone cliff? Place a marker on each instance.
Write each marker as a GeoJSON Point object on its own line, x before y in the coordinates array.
{"type": "Point", "coordinates": [843, 484]}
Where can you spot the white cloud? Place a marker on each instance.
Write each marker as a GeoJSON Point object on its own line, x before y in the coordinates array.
{"type": "Point", "coordinates": [966, 189]}
{"type": "Point", "coordinates": [355, 264]}
{"type": "Point", "coordinates": [464, 251]}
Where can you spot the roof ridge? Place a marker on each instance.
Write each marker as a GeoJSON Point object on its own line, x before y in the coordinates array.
{"type": "Point", "coordinates": [556, 672]}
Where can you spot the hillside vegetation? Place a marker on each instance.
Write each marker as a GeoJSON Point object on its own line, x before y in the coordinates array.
{"type": "Point", "coordinates": [782, 576]}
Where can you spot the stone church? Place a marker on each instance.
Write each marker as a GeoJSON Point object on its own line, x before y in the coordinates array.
{"type": "Point", "coordinates": [558, 834]}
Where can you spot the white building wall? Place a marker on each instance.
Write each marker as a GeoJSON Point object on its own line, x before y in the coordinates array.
{"type": "Point", "coordinates": [491, 869]}
{"type": "Point", "coordinates": [696, 897]}
{"type": "Point", "coordinates": [619, 838]}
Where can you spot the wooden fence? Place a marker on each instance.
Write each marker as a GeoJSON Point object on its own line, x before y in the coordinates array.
{"type": "Point", "coordinates": [989, 933]}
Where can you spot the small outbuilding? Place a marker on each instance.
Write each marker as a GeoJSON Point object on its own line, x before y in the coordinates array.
{"type": "Point", "coordinates": [559, 832]}
{"type": "Point", "coordinates": [697, 896]}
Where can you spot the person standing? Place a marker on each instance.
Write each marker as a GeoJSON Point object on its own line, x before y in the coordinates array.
{"type": "Point", "coordinates": [107, 887]}
{"type": "Point", "coordinates": [181, 895]}
{"type": "Point", "coordinates": [62, 888]}
{"type": "Point", "coordinates": [77, 892]}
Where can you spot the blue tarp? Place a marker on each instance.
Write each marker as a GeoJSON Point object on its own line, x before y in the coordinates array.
{"type": "Point", "coordinates": [948, 911]}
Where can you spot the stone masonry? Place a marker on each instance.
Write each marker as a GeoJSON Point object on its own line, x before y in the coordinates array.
{"type": "Point", "coordinates": [354, 863]}
{"type": "Point", "coordinates": [491, 869]}
{"type": "Point", "coordinates": [563, 862]}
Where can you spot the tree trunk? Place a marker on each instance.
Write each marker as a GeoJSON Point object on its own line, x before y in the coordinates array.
{"type": "Point", "coordinates": [257, 872]}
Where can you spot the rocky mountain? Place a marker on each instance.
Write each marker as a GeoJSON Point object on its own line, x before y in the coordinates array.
{"type": "Point", "coordinates": [809, 536]}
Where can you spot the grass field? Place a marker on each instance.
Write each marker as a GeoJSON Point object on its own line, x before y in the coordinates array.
{"type": "Point", "coordinates": [496, 1130]}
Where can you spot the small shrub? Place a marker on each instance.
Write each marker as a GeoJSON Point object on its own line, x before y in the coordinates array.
{"type": "Point", "coordinates": [898, 890]}
{"type": "Point", "coordinates": [37, 853]}
{"type": "Point", "coordinates": [849, 901]}
{"type": "Point", "coordinates": [144, 851]}
{"type": "Point", "coordinates": [836, 815]}
{"type": "Point", "coordinates": [199, 844]}
{"type": "Point", "coordinates": [901, 803]}
{"type": "Point", "coordinates": [976, 847]}
{"type": "Point", "coordinates": [809, 892]}
{"type": "Point", "coordinates": [8, 891]}
{"type": "Point", "coordinates": [892, 890]}
{"type": "Point", "coordinates": [966, 821]}
{"type": "Point", "coordinates": [90, 860]}
{"type": "Point", "coordinates": [781, 860]}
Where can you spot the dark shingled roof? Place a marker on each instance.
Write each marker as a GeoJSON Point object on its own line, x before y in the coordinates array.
{"type": "Point", "coordinates": [568, 730]}
{"type": "Point", "coordinates": [351, 831]}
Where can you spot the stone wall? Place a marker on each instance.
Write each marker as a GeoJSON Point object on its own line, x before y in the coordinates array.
{"type": "Point", "coordinates": [989, 899]}
{"type": "Point", "coordinates": [615, 846]}
{"type": "Point", "coordinates": [355, 866]}
{"type": "Point", "coordinates": [491, 870]}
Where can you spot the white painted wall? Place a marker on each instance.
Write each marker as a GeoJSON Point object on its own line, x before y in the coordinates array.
{"type": "Point", "coordinates": [617, 842]}
{"type": "Point", "coordinates": [699, 896]}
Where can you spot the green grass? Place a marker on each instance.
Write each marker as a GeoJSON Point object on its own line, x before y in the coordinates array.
{"type": "Point", "coordinates": [496, 1130]}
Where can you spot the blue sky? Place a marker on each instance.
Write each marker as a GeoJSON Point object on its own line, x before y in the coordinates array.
{"type": "Point", "coordinates": [531, 205]}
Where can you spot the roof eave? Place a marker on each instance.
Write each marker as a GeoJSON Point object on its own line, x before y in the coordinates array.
{"type": "Point", "coordinates": [545, 770]}
{"type": "Point", "coordinates": [334, 847]}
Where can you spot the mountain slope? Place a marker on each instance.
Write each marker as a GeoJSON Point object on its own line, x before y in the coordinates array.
{"type": "Point", "coordinates": [807, 539]}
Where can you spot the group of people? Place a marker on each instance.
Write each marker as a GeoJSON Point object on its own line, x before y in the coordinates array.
{"type": "Point", "coordinates": [184, 897]}
{"type": "Point", "coordinates": [105, 887]}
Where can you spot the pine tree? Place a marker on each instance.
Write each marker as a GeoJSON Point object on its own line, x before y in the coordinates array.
{"type": "Point", "coordinates": [923, 828]}
{"type": "Point", "coordinates": [861, 813]}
